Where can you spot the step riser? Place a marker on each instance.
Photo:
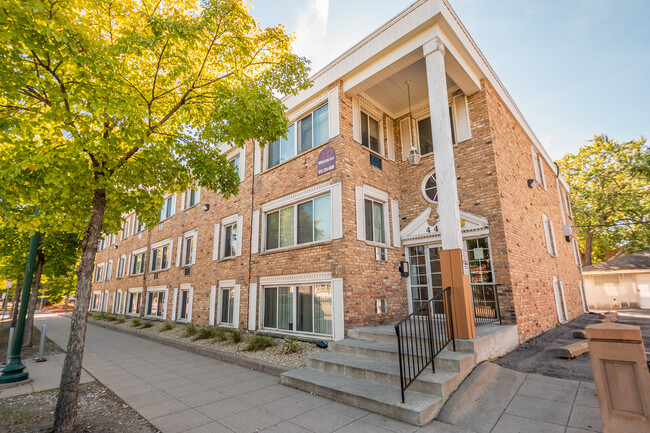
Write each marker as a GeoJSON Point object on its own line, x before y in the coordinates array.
{"type": "Point", "coordinates": [384, 338]}
{"type": "Point", "coordinates": [393, 411]}
{"type": "Point", "coordinates": [437, 389]}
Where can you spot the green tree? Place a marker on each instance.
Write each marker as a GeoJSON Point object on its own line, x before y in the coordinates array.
{"type": "Point", "coordinates": [105, 106]}
{"type": "Point", "coordinates": [610, 196]}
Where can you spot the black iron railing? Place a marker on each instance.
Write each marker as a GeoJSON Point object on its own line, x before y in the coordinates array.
{"type": "Point", "coordinates": [486, 304]}
{"type": "Point", "coordinates": [422, 335]}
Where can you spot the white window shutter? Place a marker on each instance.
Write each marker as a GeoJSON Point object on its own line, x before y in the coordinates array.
{"type": "Point", "coordinates": [213, 294]}
{"type": "Point", "coordinates": [198, 193]}
{"type": "Point", "coordinates": [255, 228]}
{"type": "Point", "coordinates": [361, 227]}
{"type": "Point", "coordinates": [535, 164]}
{"type": "Point", "coordinates": [183, 201]}
{"type": "Point", "coordinates": [338, 316]}
{"type": "Point", "coordinates": [235, 313]}
{"type": "Point", "coordinates": [174, 303]}
{"type": "Point", "coordinates": [215, 243]}
{"type": "Point", "coordinates": [174, 204]}
{"type": "Point", "coordinates": [128, 266]}
{"type": "Point", "coordinates": [582, 295]}
{"type": "Point", "coordinates": [257, 159]}
{"type": "Point", "coordinates": [461, 121]}
{"type": "Point", "coordinates": [337, 212]}
{"type": "Point", "coordinates": [547, 235]}
{"type": "Point", "coordinates": [386, 224]}
{"type": "Point", "coordinates": [242, 163]}
{"type": "Point", "coordinates": [356, 119]}
{"type": "Point", "coordinates": [190, 300]}
{"type": "Point", "coordinates": [113, 303]}
{"type": "Point", "coordinates": [252, 305]}
{"type": "Point", "coordinates": [381, 138]}
{"type": "Point", "coordinates": [541, 170]}
{"type": "Point", "coordinates": [558, 301]}
{"type": "Point", "coordinates": [405, 136]}
{"type": "Point", "coordinates": [133, 221]}
{"type": "Point", "coordinates": [240, 235]}
{"type": "Point", "coordinates": [390, 138]}
{"type": "Point", "coordinates": [333, 111]}
{"type": "Point", "coordinates": [394, 207]}
{"type": "Point", "coordinates": [179, 248]}
{"type": "Point", "coordinates": [554, 245]}
{"type": "Point", "coordinates": [566, 312]}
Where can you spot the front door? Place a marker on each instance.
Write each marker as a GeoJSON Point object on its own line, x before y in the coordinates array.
{"type": "Point", "coordinates": [425, 276]}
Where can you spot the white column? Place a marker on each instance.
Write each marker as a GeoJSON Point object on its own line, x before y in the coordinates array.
{"type": "Point", "coordinates": [443, 152]}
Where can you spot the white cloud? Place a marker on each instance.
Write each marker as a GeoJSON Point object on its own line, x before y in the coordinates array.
{"type": "Point", "coordinates": [311, 30]}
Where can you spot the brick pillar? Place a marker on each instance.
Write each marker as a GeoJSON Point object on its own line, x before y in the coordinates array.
{"type": "Point", "coordinates": [453, 257]}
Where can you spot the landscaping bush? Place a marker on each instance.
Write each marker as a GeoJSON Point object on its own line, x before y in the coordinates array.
{"type": "Point", "coordinates": [136, 322]}
{"type": "Point", "coordinates": [190, 330]}
{"type": "Point", "coordinates": [220, 334]}
{"type": "Point", "coordinates": [166, 327]}
{"type": "Point", "coordinates": [119, 320]}
{"type": "Point", "coordinates": [236, 336]}
{"type": "Point", "coordinates": [110, 318]}
{"type": "Point", "coordinates": [259, 342]}
{"type": "Point", "coordinates": [146, 325]}
{"type": "Point", "coordinates": [290, 346]}
{"type": "Point", "coordinates": [205, 333]}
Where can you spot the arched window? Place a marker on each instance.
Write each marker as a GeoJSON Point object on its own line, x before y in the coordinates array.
{"type": "Point", "coordinates": [430, 188]}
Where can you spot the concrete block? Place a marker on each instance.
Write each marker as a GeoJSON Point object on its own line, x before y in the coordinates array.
{"type": "Point", "coordinates": [572, 350]}
{"type": "Point", "coordinates": [579, 334]}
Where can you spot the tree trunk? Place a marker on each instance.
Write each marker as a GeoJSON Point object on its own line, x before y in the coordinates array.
{"type": "Point", "coordinates": [65, 414]}
{"type": "Point", "coordinates": [31, 308]}
{"type": "Point", "coordinates": [15, 306]}
{"type": "Point", "coordinates": [586, 256]}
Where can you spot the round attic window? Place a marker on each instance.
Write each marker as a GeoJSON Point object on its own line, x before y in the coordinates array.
{"type": "Point", "coordinates": [430, 188]}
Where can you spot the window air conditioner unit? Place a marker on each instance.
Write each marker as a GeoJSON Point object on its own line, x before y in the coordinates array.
{"type": "Point", "coordinates": [380, 254]}
{"type": "Point", "coordinates": [188, 271]}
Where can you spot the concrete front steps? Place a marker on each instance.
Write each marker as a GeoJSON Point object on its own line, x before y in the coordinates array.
{"type": "Point", "coordinates": [363, 371]}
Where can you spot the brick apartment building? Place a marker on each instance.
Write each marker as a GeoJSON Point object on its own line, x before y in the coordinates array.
{"type": "Point", "coordinates": [314, 242]}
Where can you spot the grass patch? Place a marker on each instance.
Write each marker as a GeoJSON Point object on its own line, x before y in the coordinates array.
{"type": "Point", "coordinates": [166, 327]}
{"type": "Point", "coordinates": [110, 318]}
{"type": "Point", "coordinates": [220, 334]}
{"type": "Point", "coordinates": [146, 325]}
{"type": "Point", "coordinates": [290, 346]}
{"type": "Point", "coordinates": [100, 316]}
{"type": "Point", "coordinates": [236, 336]}
{"type": "Point", "coordinates": [136, 322]}
{"type": "Point", "coordinates": [119, 320]}
{"type": "Point", "coordinates": [190, 330]}
{"type": "Point", "coordinates": [205, 333]}
{"type": "Point", "coordinates": [259, 342]}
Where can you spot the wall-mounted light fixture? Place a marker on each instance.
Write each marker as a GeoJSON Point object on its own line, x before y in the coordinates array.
{"type": "Point", "coordinates": [404, 268]}
{"type": "Point", "coordinates": [532, 183]}
{"type": "Point", "coordinates": [205, 206]}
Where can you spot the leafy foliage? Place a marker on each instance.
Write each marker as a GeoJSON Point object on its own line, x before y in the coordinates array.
{"type": "Point", "coordinates": [259, 342]}
{"type": "Point", "coordinates": [290, 346]}
{"type": "Point", "coordinates": [610, 196]}
{"type": "Point", "coordinates": [236, 336]}
{"type": "Point", "coordinates": [166, 327]}
{"type": "Point", "coordinates": [135, 322]}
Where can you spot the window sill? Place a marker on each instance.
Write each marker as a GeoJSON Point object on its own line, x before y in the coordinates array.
{"type": "Point", "coordinates": [296, 247]}
{"type": "Point", "coordinates": [155, 271]}
{"type": "Point", "coordinates": [157, 318]}
{"type": "Point", "coordinates": [191, 207]}
{"type": "Point", "coordinates": [378, 245]}
{"type": "Point", "coordinates": [303, 336]}
{"type": "Point", "coordinates": [226, 259]}
{"type": "Point", "coordinates": [266, 170]}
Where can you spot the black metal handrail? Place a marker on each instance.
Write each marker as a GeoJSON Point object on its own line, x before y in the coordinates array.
{"type": "Point", "coordinates": [422, 335]}
{"type": "Point", "coordinates": [486, 304]}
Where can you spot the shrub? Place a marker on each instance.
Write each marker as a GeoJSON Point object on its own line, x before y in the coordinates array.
{"type": "Point", "coordinates": [236, 336]}
{"type": "Point", "coordinates": [190, 330]}
{"type": "Point", "coordinates": [136, 322]}
{"type": "Point", "coordinates": [220, 334]}
{"type": "Point", "coordinates": [204, 333]}
{"type": "Point", "coordinates": [166, 327]}
{"type": "Point", "coordinates": [119, 320]}
{"type": "Point", "coordinates": [290, 346]}
{"type": "Point", "coordinates": [146, 325]}
{"type": "Point", "coordinates": [259, 342]}
{"type": "Point", "coordinates": [110, 318]}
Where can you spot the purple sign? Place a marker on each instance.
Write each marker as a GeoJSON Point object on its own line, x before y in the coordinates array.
{"type": "Point", "coordinates": [326, 160]}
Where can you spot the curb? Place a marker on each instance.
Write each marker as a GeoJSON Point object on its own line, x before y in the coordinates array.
{"type": "Point", "coordinates": [253, 364]}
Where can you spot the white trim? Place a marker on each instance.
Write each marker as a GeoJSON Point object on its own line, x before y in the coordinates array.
{"type": "Point", "coordinates": [170, 244]}
{"type": "Point", "coordinates": [255, 228]}
{"type": "Point", "coordinates": [190, 302]}
{"type": "Point", "coordinates": [213, 293]}
{"type": "Point", "coordinates": [252, 306]}
{"type": "Point", "coordinates": [314, 277]}
{"type": "Point", "coordinates": [156, 289]}
{"type": "Point", "coordinates": [356, 119]}
{"type": "Point", "coordinates": [139, 251]}
{"type": "Point", "coordinates": [394, 207]}
{"type": "Point", "coordinates": [371, 193]}
{"type": "Point", "coordinates": [236, 306]}
{"type": "Point", "coordinates": [179, 247]}
{"type": "Point", "coordinates": [162, 243]}
{"type": "Point", "coordinates": [336, 197]}
{"type": "Point", "coordinates": [333, 112]}
{"type": "Point", "coordinates": [558, 300]}
{"type": "Point", "coordinates": [174, 299]}
{"type": "Point", "coordinates": [227, 283]}
{"type": "Point", "coordinates": [566, 312]}
{"type": "Point", "coordinates": [215, 242]}
{"type": "Point", "coordinates": [360, 213]}
{"type": "Point", "coordinates": [582, 296]}
{"type": "Point", "coordinates": [240, 236]}
{"type": "Point", "coordinates": [257, 159]}
{"type": "Point", "coordinates": [460, 134]}
{"type": "Point", "coordinates": [338, 310]}
{"type": "Point", "coordinates": [390, 138]}
{"type": "Point", "coordinates": [296, 197]}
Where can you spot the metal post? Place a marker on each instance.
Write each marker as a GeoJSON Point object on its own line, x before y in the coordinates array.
{"type": "Point", "coordinates": [15, 370]}
{"type": "Point", "coordinates": [41, 347]}
{"type": "Point", "coordinates": [11, 339]}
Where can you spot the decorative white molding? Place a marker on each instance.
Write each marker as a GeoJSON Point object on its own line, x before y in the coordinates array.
{"type": "Point", "coordinates": [230, 219]}
{"type": "Point", "coordinates": [315, 277]}
{"type": "Point", "coordinates": [372, 192]}
{"type": "Point", "coordinates": [297, 112]}
{"type": "Point", "coordinates": [419, 231]}
{"type": "Point", "coordinates": [227, 283]}
{"type": "Point", "coordinates": [162, 243]}
{"type": "Point", "coordinates": [295, 197]}
{"type": "Point", "coordinates": [139, 251]}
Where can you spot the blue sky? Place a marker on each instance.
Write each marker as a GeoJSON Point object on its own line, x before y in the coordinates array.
{"type": "Point", "coordinates": [575, 68]}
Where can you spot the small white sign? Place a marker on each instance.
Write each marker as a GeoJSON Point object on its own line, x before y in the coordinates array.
{"type": "Point", "coordinates": [465, 262]}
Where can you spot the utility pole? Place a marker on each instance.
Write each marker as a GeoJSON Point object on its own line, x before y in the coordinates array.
{"type": "Point", "coordinates": [15, 370]}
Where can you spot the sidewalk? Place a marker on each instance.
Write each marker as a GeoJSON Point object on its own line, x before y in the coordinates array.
{"type": "Point", "coordinates": [182, 392]}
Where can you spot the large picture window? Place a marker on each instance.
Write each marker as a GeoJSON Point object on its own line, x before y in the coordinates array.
{"type": "Point", "coordinates": [301, 308]}
{"type": "Point", "coordinates": [137, 264]}
{"type": "Point", "coordinates": [160, 258]}
{"type": "Point", "coordinates": [156, 304]}
{"type": "Point", "coordinates": [374, 219]}
{"type": "Point", "coordinates": [133, 301]}
{"type": "Point", "coordinates": [227, 305]}
{"type": "Point", "coordinates": [310, 221]}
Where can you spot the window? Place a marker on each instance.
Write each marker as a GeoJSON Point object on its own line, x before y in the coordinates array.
{"type": "Point", "coordinates": [189, 249]}
{"type": "Point", "coordinates": [230, 240]}
{"type": "Point", "coordinates": [425, 136]}
{"type": "Point", "coordinates": [121, 265]}
{"type": "Point", "coordinates": [156, 303]}
{"type": "Point", "coordinates": [370, 133]}
{"type": "Point", "coordinates": [139, 225]}
{"type": "Point", "coordinates": [227, 302]}
{"type": "Point", "coordinates": [109, 270]}
{"type": "Point", "coordinates": [301, 308]}
{"type": "Point", "coordinates": [160, 258]}
{"type": "Point", "coordinates": [137, 263]}
{"type": "Point", "coordinates": [117, 302]}
{"type": "Point", "coordinates": [549, 234]}
{"type": "Point", "coordinates": [375, 224]}
{"type": "Point", "coordinates": [99, 273]}
{"type": "Point", "coordinates": [95, 301]}
{"type": "Point", "coordinates": [184, 305]}
{"type": "Point", "coordinates": [235, 163]}
{"type": "Point", "coordinates": [192, 195]}
{"type": "Point", "coordinates": [302, 223]}
{"type": "Point", "coordinates": [133, 303]}
{"type": "Point", "coordinates": [430, 188]}
{"type": "Point", "coordinates": [480, 265]}
{"type": "Point", "coordinates": [125, 229]}
{"type": "Point", "coordinates": [310, 131]}
{"type": "Point", "coordinates": [167, 209]}
{"type": "Point", "coordinates": [538, 166]}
